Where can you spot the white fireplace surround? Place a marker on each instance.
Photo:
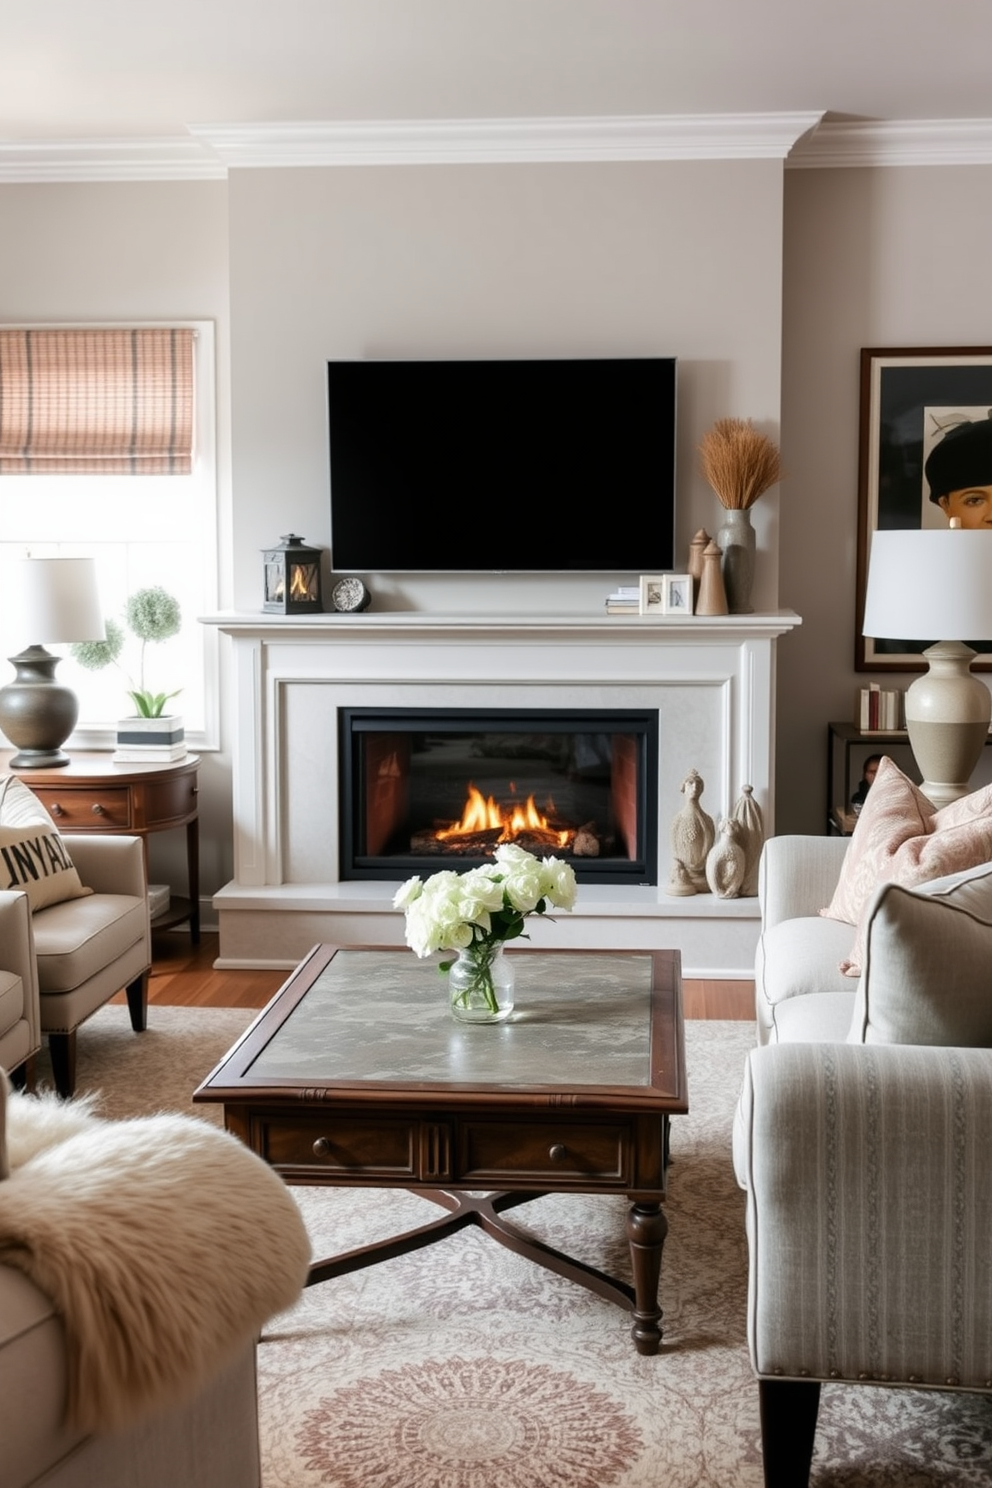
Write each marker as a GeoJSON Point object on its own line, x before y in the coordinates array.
{"type": "Point", "coordinates": [711, 679]}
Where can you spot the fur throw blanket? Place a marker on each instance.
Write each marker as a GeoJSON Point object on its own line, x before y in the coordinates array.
{"type": "Point", "coordinates": [163, 1242]}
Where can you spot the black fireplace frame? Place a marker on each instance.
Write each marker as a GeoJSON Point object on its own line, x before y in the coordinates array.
{"type": "Point", "coordinates": [641, 722]}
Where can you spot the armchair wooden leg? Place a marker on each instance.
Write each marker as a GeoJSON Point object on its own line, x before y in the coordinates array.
{"type": "Point", "coordinates": [23, 1077]}
{"type": "Point", "coordinates": [137, 1002]}
{"type": "Point", "coordinates": [62, 1048]}
{"type": "Point", "coordinates": [788, 1425]}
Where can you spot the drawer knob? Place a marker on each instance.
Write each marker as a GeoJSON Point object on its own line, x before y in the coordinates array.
{"type": "Point", "coordinates": [322, 1147]}
{"type": "Point", "coordinates": [57, 810]}
{"type": "Point", "coordinates": [558, 1152]}
{"type": "Point", "coordinates": [96, 809]}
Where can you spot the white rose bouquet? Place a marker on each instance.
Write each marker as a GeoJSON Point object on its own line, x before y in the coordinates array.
{"type": "Point", "coordinates": [478, 911]}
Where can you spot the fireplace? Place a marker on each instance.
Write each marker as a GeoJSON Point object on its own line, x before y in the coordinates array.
{"type": "Point", "coordinates": [708, 681]}
{"type": "Point", "coordinates": [423, 789]}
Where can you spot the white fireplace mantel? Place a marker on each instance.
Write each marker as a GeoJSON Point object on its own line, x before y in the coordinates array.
{"type": "Point", "coordinates": [711, 679]}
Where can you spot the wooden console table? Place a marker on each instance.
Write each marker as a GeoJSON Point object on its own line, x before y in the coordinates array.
{"type": "Point", "coordinates": [92, 794]}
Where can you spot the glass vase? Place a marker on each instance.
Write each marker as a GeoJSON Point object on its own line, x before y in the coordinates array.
{"type": "Point", "coordinates": [481, 985]}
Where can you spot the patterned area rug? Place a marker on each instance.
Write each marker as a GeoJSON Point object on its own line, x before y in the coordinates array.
{"type": "Point", "coordinates": [465, 1366]}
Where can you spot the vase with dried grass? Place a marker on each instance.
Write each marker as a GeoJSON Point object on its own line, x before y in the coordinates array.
{"type": "Point", "coordinates": [740, 464]}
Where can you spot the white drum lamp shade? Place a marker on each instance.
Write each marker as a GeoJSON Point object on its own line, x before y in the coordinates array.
{"type": "Point", "coordinates": [54, 601]}
{"type": "Point", "coordinates": [924, 585]}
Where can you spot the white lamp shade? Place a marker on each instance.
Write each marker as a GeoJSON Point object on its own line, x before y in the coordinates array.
{"type": "Point", "coordinates": [930, 586]}
{"type": "Point", "coordinates": [57, 600]}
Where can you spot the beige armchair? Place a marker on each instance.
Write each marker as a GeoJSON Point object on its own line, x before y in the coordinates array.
{"type": "Point", "coordinates": [88, 949]}
{"type": "Point", "coordinates": [20, 1017]}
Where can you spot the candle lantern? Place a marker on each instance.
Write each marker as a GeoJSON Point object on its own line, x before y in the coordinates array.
{"type": "Point", "coordinates": [292, 578]}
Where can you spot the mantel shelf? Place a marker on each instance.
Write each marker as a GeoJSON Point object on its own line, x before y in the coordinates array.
{"type": "Point", "coordinates": [381, 622]}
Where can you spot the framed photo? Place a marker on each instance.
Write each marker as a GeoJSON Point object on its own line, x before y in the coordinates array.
{"type": "Point", "coordinates": [910, 401]}
{"type": "Point", "coordinates": [677, 594]}
{"type": "Point", "coordinates": [653, 594]}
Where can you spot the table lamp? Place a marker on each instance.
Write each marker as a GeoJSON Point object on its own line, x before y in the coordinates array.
{"type": "Point", "coordinates": [923, 584]}
{"type": "Point", "coordinates": [52, 600]}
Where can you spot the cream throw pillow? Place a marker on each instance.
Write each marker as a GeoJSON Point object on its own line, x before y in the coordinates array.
{"type": "Point", "coordinates": [900, 838]}
{"type": "Point", "coordinates": [926, 977]}
{"type": "Point", "coordinates": [33, 855]}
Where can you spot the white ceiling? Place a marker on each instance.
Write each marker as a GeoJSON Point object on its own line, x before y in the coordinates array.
{"type": "Point", "coordinates": [110, 70]}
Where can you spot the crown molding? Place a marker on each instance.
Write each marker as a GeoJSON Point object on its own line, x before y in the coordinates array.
{"type": "Point", "coordinates": [497, 141]}
{"type": "Point", "coordinates": [171, 159]}
{"type": "Point", "coordinates": [208, 152]}
{"type": "Point", "coordinates": [844, 143]}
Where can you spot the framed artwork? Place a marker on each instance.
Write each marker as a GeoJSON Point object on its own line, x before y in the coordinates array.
{"type": "Point", "coordinates": [911, 401]}
{"type": "Point", "coordinates": [677, 594]}
{"type": "Point", "coordinates": [652, 594]}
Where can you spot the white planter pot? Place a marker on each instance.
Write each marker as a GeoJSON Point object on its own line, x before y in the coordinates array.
{"type": "Point", "coordinates": [151, 738]}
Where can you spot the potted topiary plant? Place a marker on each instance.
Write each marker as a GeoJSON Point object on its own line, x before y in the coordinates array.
{"type": "Point", "coordinates": [149, 733]}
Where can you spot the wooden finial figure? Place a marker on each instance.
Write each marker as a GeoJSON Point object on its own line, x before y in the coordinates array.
{"type": "Point", "coordinates": [693, 831]}
{"type": "Point", "coordinates": [695, 566]}
{"type": "Point", "coordinates": [712, 594]}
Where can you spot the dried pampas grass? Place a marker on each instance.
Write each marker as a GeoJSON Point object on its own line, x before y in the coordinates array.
{"type": "Point", "coordinates": [738, 462]}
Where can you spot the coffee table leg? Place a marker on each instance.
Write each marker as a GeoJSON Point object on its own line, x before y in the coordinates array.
{"type": "Point", "coordinates": [646, 1231]}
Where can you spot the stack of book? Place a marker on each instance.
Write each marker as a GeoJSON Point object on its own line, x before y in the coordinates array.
{"type": "Point", "coordinates": [624, 601]}
{"type": "Point", "coordinates": [879, 709]}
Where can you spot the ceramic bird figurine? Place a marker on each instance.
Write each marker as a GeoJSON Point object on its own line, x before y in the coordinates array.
{"type": "Point", "coordinates": [693, 831]}
{"type": "Point", "coordinates": [725, 862]}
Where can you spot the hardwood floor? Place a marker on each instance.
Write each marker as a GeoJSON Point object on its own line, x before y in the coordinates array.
{"type": "Point", "coordinates": [184, 976]}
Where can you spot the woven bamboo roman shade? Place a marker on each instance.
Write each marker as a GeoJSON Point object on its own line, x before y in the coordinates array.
{"type": "Point", "coordinates": [96, 402]}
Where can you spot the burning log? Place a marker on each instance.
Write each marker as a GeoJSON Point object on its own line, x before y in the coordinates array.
{"type": "Point", "coordinates": [586, 843]}
{"type": "Point", "coordinates": [478, 844]}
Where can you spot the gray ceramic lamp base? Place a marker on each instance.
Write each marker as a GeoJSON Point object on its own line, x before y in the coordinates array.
{"type": "Point", "coordinates": [37, 714]}
{"type": "Point", "coordinates": [947, 719]}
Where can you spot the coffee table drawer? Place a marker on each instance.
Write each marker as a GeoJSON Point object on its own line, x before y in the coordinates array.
{"type": "Point", "coordinates": [499, 1151]}
{"type": "Point", "coordinates": [366, 1148]}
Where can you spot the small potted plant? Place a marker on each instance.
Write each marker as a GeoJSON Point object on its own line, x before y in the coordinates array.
{"type": "Point", "coordinates": [149, 733]}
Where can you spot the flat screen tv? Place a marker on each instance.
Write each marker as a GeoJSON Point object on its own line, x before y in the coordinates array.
{"type": "Point", "coordinates": [537, 466]}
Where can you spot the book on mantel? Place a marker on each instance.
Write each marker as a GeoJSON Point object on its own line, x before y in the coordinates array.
{"type": "Point", "coordinates": [624, 601]}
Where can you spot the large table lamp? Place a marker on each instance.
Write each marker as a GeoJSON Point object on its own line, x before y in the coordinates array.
{"type": "Point", "coordinates": [923, 584]}
{"type": "Point", "coordinates": [53, 600]}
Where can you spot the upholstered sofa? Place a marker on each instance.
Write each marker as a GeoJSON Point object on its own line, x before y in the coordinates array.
{"type": "Point", "coordinates": [131, 1295]}
{"type": "Point", "coordinates": [862, 1139]}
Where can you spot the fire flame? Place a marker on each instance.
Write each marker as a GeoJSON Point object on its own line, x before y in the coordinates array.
{"type": "Point", "coordinates": [482, 814]}
{"type": "Point", "coordinates": [303, 583]}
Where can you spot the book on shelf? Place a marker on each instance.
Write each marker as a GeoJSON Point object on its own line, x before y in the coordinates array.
{"type": "Point", "coordinates": [879, 710]}
{"type": "Point", "coordinates": [624, 601]}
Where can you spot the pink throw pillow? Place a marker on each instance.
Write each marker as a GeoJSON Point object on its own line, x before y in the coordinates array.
{"type": "Point", "coordinates": [957, 837]}
{"type": "Point", "coordinates": [895, 811]}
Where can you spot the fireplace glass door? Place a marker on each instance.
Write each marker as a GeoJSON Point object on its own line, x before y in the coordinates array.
{"type": "Point", "coordinates": [426, 789]}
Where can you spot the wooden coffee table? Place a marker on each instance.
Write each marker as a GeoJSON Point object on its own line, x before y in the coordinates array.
{"type": "Point", "coordinates": [356, 1075]}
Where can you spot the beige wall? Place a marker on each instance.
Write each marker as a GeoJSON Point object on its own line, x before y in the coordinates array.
{"type": "Point", "coordinates": [873, 258]}
{"type": "Point", "coordinates": [549, 260]}
{"type": "Point", "coordinates": [686, 258]}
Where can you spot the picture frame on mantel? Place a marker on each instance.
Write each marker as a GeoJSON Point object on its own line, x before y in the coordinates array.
{"type": "Point", "coordinates": [910, 397]}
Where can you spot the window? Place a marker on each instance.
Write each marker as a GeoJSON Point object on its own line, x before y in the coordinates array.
{"type": "Point", "coordinates": [143, 530]}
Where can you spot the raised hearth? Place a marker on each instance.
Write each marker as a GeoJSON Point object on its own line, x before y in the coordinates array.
{"type": "Point", "coordinates": [708, 682]}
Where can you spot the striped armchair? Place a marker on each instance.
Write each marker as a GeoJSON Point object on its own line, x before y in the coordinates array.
{"type": "Point", "coordinates": [869, 1211]}
{"type": "Point", "coordinates": [863, 1138]}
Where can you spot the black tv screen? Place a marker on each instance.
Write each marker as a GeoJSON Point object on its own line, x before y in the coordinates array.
{"type": "Point", "coordinates": [539, 466]}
